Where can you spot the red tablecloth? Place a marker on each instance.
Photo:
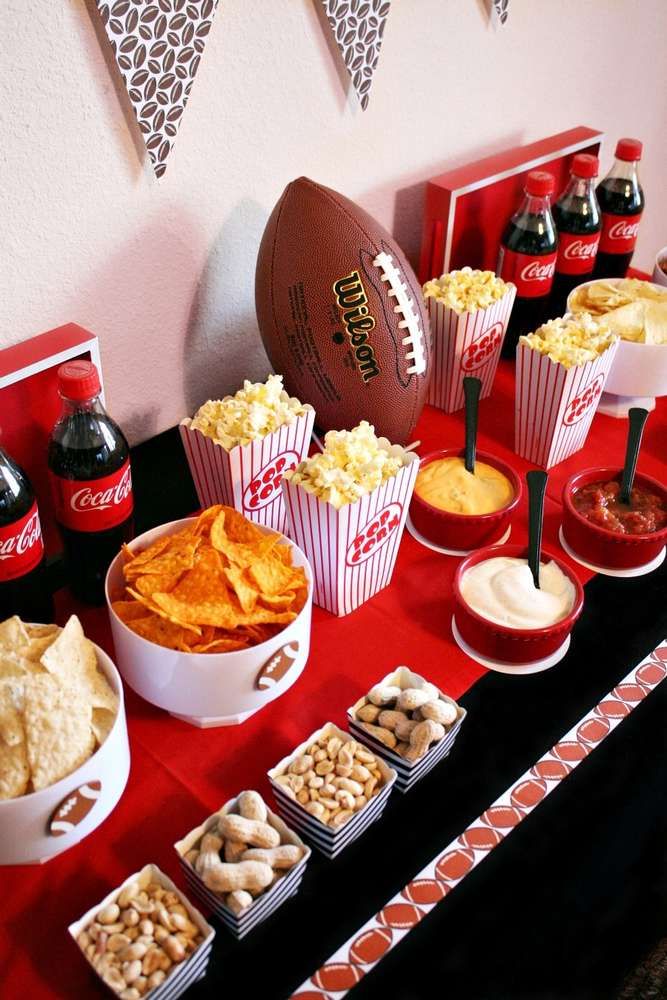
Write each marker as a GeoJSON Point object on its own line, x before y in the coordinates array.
{"type": "Point", "coordinates": [181, 774]}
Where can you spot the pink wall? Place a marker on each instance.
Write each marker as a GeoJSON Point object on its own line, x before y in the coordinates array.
{"type": "Point", "coordinates": [163, 271]}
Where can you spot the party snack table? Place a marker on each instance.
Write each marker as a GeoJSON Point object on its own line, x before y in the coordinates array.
{"type": "Point", "coordinates": [561, 908]}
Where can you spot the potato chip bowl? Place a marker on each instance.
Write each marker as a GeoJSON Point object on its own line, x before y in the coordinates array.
{"type": "Point", "coordinates": [27, 834]}
{"type": "Point", "coordinates": [208, 689]}
{"type": "Point", "coordinates": [638, 371]}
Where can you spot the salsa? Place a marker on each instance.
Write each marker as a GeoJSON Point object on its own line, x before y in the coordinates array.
{"type": "Point", "coordinates": [599, 504]}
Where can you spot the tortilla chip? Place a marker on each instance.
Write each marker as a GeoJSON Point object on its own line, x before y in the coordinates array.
{"type": "Point", "coordinates": [72, 659]}
{"type": "Point", "coordinates": [14, 770]}
{"type": "Point", "coordinates": [58, 730]}
{"type": "Point", "coordinates": [13, 634]}
{"type": "Point", "coordinates": [12, 703]}
{"type": "Point", "coordinates": [101, 723]}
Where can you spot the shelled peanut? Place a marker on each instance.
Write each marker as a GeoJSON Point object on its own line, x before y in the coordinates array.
{"type": "Point", "coordinates": [135, 942]}
{"type": "Point", "coordinates": [255, 855]}
{"type": "Point", "coordinates": [333, 779]}
{"type": "Point", "coordinates": [408, 721]}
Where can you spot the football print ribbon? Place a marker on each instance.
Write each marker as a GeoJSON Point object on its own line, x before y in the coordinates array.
{"type": "Point", "coordinates": [158, 45]}
{"type": "Point", "coordinates": [357, 27]}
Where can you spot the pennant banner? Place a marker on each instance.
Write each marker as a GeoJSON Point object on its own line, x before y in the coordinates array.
{"type": "Point", "coordinates": [158, 45]}
{"type": "Point", "coordinates": [502, 9]}
{"type": "Point", "coordinates": [358, 27]}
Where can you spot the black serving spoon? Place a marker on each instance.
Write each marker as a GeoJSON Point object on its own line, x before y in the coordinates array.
{"type": "Point", "coordinates": [537, 484]}
{"type": "Point", "coordinates": [637, 418]}
{"type": "Point", "coordinates": [471, 390]}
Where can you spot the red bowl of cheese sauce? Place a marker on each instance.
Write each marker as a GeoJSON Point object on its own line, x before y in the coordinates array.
{"type": "Point", "coordinates": [608, 533]}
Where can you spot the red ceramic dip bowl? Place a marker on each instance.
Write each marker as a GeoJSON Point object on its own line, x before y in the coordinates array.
{"type": "Point", "coordinates": [600, 546]}
{"type": "Point", "coordinates": [463, 532]}
{"type": "Point", "coordinates": [512, 645]}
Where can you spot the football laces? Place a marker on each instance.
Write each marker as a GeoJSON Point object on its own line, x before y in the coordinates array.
{"type": "Point", "coordinates": [410, 322]}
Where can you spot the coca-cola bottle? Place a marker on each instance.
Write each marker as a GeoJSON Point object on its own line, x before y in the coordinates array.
{"type": "Point", "coordinates": [528, 257]}
{"type": "Point", "coordinates": [621, 202]}
{"type": "Point", "coordinates": [91, 480]}
{"type": "Point", "coordinates": [577, 217]}
{"type": "Point", "coordinates": [23, 584]}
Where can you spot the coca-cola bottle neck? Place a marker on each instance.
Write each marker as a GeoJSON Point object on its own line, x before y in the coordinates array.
{"type": "Point", "coordinates": [533, 205]}
{"type": "Point", "coordinates": [626, 170]}
{"type": "Point", "coordinates": [70, 406]}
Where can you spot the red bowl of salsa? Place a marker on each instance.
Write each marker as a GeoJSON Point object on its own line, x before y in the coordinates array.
{"type": "Point", "coordinates": [608, 533]}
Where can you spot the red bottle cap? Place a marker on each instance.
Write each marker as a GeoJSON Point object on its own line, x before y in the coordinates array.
{"type": "Point", "coordinates": [78, 380]}
{"type": "Point", "coordinates": [539, 183]}
{"type": "Point", "coordinates": [629, 149]}
{"type": "Point", "coordinates": [585, 165]}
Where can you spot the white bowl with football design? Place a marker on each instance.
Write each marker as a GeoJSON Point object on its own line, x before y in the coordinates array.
{"type": "Point", "coordinates": [209, 689]}
{"type": "Point", "coordinates": [40, 825]}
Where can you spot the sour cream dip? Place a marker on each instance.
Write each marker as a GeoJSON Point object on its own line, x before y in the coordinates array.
{"type": "Point", "coordinates": [501, 590]}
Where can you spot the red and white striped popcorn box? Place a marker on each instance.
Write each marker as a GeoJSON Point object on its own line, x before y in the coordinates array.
{"type": "Point", "coordinates": [248, 477]}
{"type": "Point", "coordinates": [465, 344]}
{"type": "Point", "coordinates": [554, 405]}
{"type": "Point", "coordinates": [353, 550]}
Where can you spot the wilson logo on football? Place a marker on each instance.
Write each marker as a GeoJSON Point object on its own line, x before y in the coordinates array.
{"type": "Point", "coordinates": [482, 349]}
{"type": "Point", "coordinates": [578, 407]}
{"type": "Point", "coordinates": [265, 486]}
{"type": "Point", "coordinates": [375, 534]}
{"type": "Point", "coordinates": [623, 231]}
{"type": "Point", "coordinates": [536, 271]}
{"type": "Point", "coordinates": [581, 250]}
{"type": "Point", "coordinates": [88, 499]}
{"type": "Point", "coordinates": [29, 534]}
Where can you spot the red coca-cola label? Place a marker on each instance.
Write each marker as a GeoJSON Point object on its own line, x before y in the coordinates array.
{"type": "Point", "coordinates": [21, 546]}
{"type": "Point", "coordinates": [93, 504]}
{"type": "Point", "coordinates": [619, 233]}
{"type": "Point", "coordinates": [576, 254]}
{"type": "Point", "coordinates": [533, 276]}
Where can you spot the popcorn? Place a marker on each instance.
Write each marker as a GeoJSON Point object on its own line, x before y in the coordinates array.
{"type": "Point", "coordinates": [466, 290]}
{"type": "Point", "coordinates": [253, 412]}
{"type": "Point", "coordinates": [571, 341]}
{"type": "Point", "coordinates": [352, 465]}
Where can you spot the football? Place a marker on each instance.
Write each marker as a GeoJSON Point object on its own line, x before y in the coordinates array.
{"type": "Point", "coordinates": [276, 667]}
{"type": "Point", "coordinates": [341, 313]}
{"type": "Point", "coordinates": [74, 808]}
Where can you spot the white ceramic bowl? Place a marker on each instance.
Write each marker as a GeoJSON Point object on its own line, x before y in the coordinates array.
{"type": "Point", "coordinates": [659, 276]}
{"type": "Point", "coordinates": [207, 689]}
{"type": "Point", "coordinates": [26, 833]}
{"type": "Point", "coordinates": [639, 370]}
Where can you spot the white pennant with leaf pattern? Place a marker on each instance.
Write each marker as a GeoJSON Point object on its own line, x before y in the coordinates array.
{"type": "Point", "coordinates": [158, 45]}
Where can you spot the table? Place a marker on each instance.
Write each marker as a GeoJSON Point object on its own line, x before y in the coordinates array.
{"type": "Point", "coordinates": [561, 908]}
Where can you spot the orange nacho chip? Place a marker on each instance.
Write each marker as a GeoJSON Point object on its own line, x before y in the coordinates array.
{"type": "Point", "coordinates": [220, 584]}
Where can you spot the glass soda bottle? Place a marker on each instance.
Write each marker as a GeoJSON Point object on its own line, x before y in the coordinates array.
{"type": "Point", "coordinates": [621, 202]}
{"type": "Point", "coordinates": [90, 474]}
{"type": "Point", "coordinates": [23, 584]}
{"type": "Point", "coordinates": [577, 217]}
{"type": "Point", "coordinates": [528, 256]}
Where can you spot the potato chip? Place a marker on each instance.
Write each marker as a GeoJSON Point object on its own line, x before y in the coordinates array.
{"type": "Point", "coordinates": [101, 723]}
{"type": "Point", "coordinates": [58, 730]}
{"type": "Point", "coordinates": [72, 659]}
{"type": "Point", "coordinates": [14, 770]}
{"type": "Point", "coordinates": [634, 309]}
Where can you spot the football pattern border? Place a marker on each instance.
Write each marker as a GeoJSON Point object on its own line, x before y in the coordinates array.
{"type": "Point", "coordinates": [374, 939]}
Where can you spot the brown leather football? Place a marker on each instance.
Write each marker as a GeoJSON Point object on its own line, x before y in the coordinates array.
{"type": "Point", "coordinates": [341, 313]}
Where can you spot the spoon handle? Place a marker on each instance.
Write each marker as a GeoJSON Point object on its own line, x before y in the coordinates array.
{"type": "Point", "coordinates": [637, 418]}
{"type": "Point", "coordinates": [471, 390]}
{"type": "Point", "coordinates": [537, 484]}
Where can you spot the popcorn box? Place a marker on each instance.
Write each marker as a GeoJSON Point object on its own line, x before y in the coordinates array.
{"type": "Point", "coordinates": [465, 344]}
{"type": "Point", "coordinates": [329, 840]}
{"type": "Point", "coordinates": [408, 773]}
{"type": "Point", "coordinates": [554, 405]}
{"type": "Point", "coordinates": [352, 551]}
{"type": "Point", "coordinates": [248, 477]}
{"type": "Point", "coordinates": [181, 976]}
{"type": "Point", "coordinates": [265, 904]}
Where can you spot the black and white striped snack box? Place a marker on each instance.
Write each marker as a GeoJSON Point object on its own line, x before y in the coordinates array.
{"type": "Point", "coordinates": [330, 841]}
{"type": "Point", "coordinates": [181, 976]}
{"type": "Point", "coordinates": [265, 904]}
{"type": "Point", "coordinates": [407, 772]}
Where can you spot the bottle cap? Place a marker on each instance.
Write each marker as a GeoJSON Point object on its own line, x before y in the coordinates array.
{"type": "Point", "coordinates": [540, 183]}
{"type": "Point", "coordinates": [585, 165]}
{"type": "Point", "coordinates": [78, 380]}
{"type": "Point", "coordinates": [629, 149]}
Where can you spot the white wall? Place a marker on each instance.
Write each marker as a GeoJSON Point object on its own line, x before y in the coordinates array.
{"type": "Point", "coordinates": [163, 271]}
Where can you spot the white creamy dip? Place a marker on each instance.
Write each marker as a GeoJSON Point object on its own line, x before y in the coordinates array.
{"type": "Point", "coordinates": [502, 590]}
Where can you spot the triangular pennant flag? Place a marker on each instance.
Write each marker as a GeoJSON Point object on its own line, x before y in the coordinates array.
{"type": "Point", "coordinates": [502, 9]}
{"type": "Point", "coordinates": [358, 27]}
{"type": "Point", "coordinates": [158, 45]}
